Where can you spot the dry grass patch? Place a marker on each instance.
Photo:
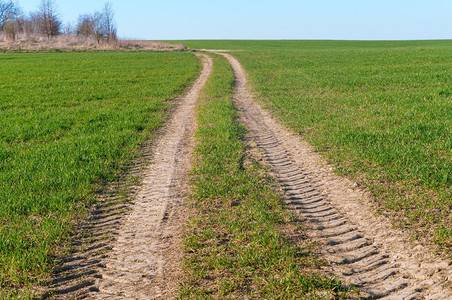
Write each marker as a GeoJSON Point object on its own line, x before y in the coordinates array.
{"type": "Point", "coordinates": [74, 43]}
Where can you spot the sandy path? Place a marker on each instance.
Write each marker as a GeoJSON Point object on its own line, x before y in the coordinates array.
{"type": "Point", "coordinates": [364, 249]}
{"type": "Point", "coordinates": [143, 260]}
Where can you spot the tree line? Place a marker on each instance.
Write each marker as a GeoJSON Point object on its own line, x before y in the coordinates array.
{"type": "Point", "coordinates": [46, 22]}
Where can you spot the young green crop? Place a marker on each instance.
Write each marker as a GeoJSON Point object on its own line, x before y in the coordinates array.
{"type": "Point", "coordinates": [380, 111]}
{"type": "Point", "coordinates": [69, 122]}
{"type": "Point", "coordinates": [234, 246]}
{"type": "Point", "coordinates": [297, 45]}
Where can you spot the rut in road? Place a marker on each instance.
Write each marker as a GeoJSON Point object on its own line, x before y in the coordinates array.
{"type": "Point", "coordinates": [142, 260]}
{"type": "Point", "coordinates": [364, 250]}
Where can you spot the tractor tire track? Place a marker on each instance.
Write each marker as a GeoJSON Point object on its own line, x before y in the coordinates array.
{"type": "Point", "coordinates": [363, 250]}
{"type": "Point", "coordinates": [140, 258]}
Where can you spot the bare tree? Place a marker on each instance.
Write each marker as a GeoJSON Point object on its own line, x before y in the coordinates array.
{"type": "Point", "coordinates": [8, 10]}
{"type": "Point", "coordinates": [85, 26]}
{"type": "Point", "coordinates": [99, 29]}
{"type": "Point", "coordinates": [107, 22]}
{"type": "Point", "coordinates": [46, 22]}
{"type": "Point", "coordinates": [50, 25]}
{"type": "Point", "coordinates": [9, 13]}
{"type": "Point", "coordinates": [31, 24]}
{"type": "Point", "coordinates": [99, 25]}
{"type": "Point", "coordinates": [90, 26]}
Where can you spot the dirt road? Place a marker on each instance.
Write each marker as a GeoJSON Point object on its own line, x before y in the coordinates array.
{"type": "Point", "coordinates": [142, 260]}
{"type": "Point", "coordinates": [365, 250]}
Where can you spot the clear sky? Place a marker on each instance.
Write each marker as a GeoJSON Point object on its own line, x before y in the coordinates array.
{"type": "Point", "coordinates": [269, 19]}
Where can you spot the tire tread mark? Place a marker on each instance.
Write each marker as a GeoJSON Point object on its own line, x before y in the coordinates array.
{"type": "Point", "coordinates": [354, 256]}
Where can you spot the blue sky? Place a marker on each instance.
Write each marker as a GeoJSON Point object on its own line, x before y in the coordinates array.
{"type": "Point", "coordinates": [265, 19]}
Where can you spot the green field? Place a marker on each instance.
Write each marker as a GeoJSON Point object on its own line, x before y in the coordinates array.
{"type": "Point", "coordinates": [234, 246]}
{"type": "Point", "coordinates": [319, 45]}
{"type": "Point", "coordinates": [381, 112]}
{"type": "Point", "coordinates": [68, 123]}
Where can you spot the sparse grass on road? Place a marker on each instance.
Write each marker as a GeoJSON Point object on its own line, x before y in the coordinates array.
{"type": "Point", "coordinates": [234, 245]}
{"type": "Point", "coordinates": [68, 123]}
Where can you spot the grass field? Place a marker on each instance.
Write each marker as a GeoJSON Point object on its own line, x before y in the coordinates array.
{"type": "Point", "coordinates": [381, 112]}
{"type": "Point", "coordinates": [234, 246]}
{"type": "Point", "coordinates": [68, 123]}
{"type": "Point", "coordinates": [302, 45]}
